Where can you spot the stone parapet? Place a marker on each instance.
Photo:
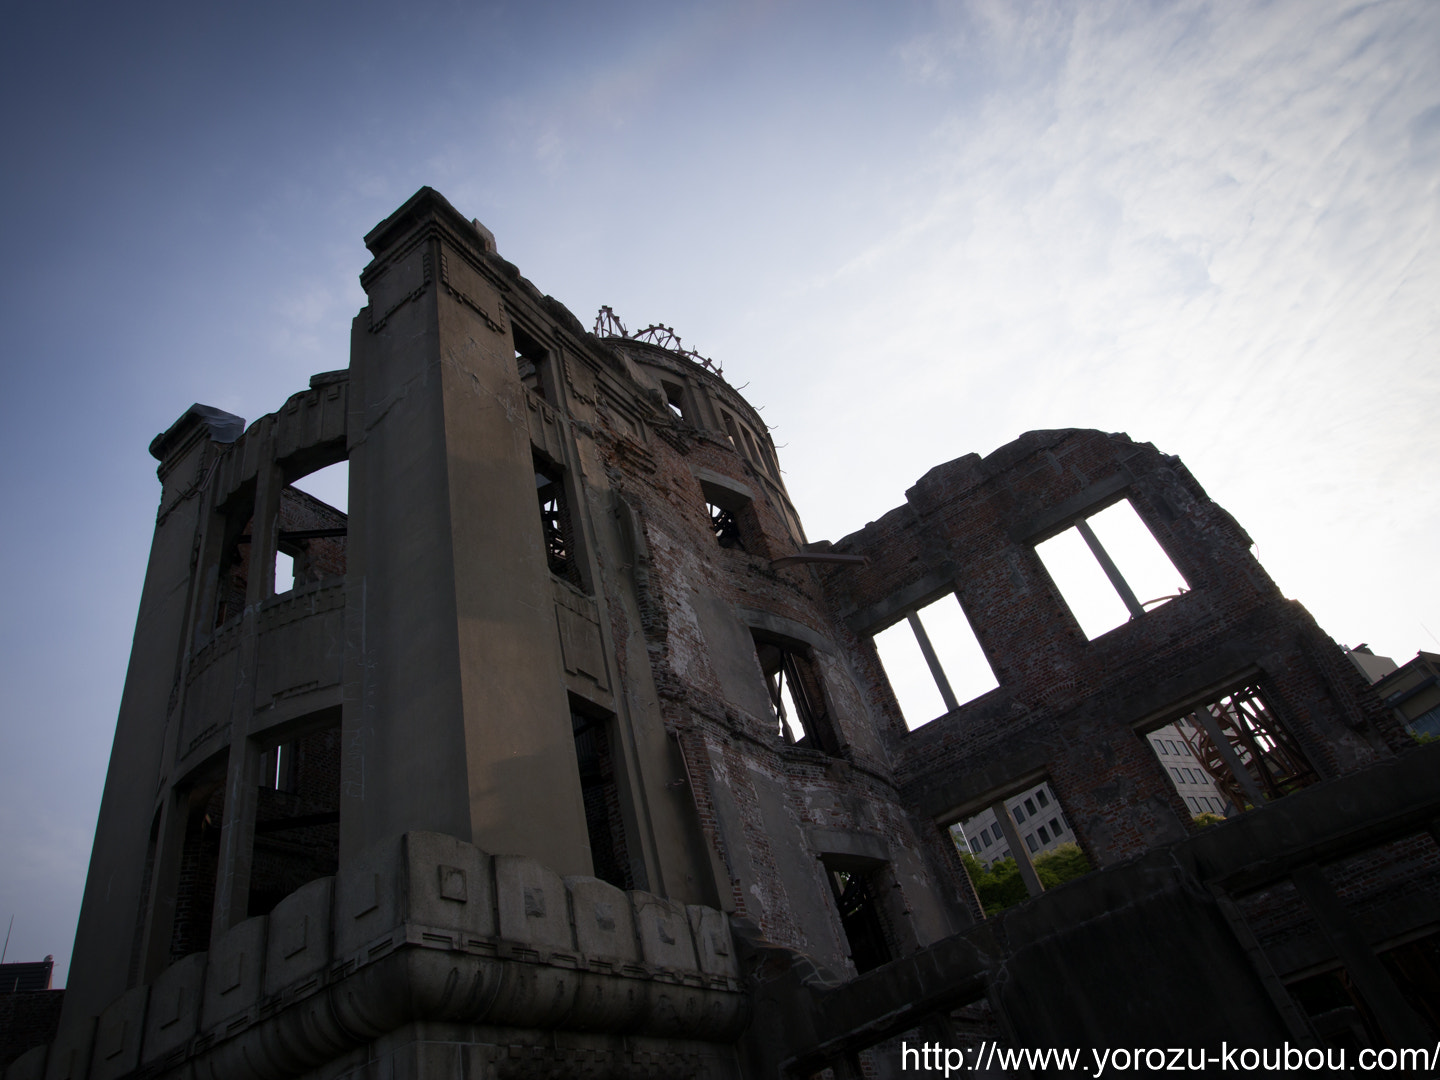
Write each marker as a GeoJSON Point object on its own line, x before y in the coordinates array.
{"type": "Point", "coordinates": [422, 929]}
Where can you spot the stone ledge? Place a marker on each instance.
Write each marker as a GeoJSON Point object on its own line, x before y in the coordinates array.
{"type": "Point", "coordinates": [421, 928]}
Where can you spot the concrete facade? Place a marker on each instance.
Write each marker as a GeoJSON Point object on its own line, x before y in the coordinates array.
{"type": "Point", "coordinates": [566, 754]}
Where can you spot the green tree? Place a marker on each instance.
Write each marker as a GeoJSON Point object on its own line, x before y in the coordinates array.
{"type": "Point", "coordinates": [1061, 864]}
{"type": "Point", "coordinates": [1000, 885]}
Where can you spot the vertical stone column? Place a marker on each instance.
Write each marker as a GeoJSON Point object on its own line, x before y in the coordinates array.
{"type": "Point", "coordinates": [456, 718]}
{"type": "Point", "coordinates": [105, 934]}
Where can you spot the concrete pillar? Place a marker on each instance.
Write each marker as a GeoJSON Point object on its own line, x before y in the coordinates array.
{"type": "Point", "coordinates": [936, 671]}
{"type": "Point", "coordinates": [105, 936]}
{"type": "Point", "coordinates": [456, 717]}
{"type": "Point", "coordinates": [1017, 848]}
{"type": "Point", "coordinates": [1127, 594]}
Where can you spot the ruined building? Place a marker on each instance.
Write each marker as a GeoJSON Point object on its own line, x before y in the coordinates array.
{"type": "Point", "coordinates": [565, 754]}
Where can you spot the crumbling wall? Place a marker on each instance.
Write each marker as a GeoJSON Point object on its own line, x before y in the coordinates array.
{"type": "Point", "coordinates": [777, 816]}
{"type": "Point", "coordinates": [1069, 708]}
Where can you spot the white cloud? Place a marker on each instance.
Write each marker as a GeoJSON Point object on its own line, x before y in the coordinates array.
{"type": "Point", "coordinates": [1212, 225]}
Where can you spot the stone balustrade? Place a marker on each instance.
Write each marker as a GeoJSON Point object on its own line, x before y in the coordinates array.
{"type": "Point", "coordinates": [423, 928]}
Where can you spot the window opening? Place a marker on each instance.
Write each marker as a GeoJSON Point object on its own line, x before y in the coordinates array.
{"type": "Point", "coordinates": [911, 653]}
{"type": "Point", "coordinates": [753, 453]}
{"type": "Point", "coordinates": [732, 518]}
{"type": "Point", "coordinates": [675, 399]}
{"type": "Point", "coordinates": [529, 363]}
{"type": "Point", "coordinates": [310, 544]}
{"type": "Point", "coordinates": [555, 522]}
{"type": "Point", "coordinates": [1110, 568]}
{"type": "Point", "coordinates": [284, 572]}
{"type": "Point", "coordinates": [199, 863]}
{"type": "Point", "coordinates": [234, 575]}
{"type": "Point", "coordinates": [601, 795]}
{"type": "Point", "coordinates": [724, 526]}
{"type": "Point", "coordinates": [331, 485]}
{"type": "Point", "coordinates": [1244, 750]}
{"type": "Point", "coordinates": [795, 696]}
{"type": "Point", "coordinates": [860, 918]}
{"type": "Point", "coordinates": [529, 373]}
{"type": "Point", "coordinates": [297, 817]}
{"type": "Point", "coordinates": [1001, 866]}
{"type": "Point", "coordinates": [274, 768]}
{"type": "Point", "coordinates": [1337, 1010]}
{"type": "Point", "coordinates": [731, 429]}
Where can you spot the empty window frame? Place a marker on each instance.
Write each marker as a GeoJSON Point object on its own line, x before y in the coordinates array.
{"type": "Point", "coordinates": [531, 365]}
{"type": "Point", "coordinates": [732, 430]}
{"type": "Point", "coordinates": [732, 518]}
{"type": "Point", "coordinates": [1243, 751]}
{"type": "Point", "coordinates": [310, 543]}
{"type": "Point", "coordinates": [1110, 569]}
{"type": "Point", "coordinates": [330, 485]}
{"type": "Point", "coordinates": [794, 687]}
{"type": "Point", "coordinates": [985, 828]}
{"type": "Point", "coordinates": [1032, 832]}
{"type": "Point", "coordinates": [725, 526]}
{"type": "Point", "coordinates": [856, 894]}
{"type": "Point", "coordinates": [556, 523]}
{"type": "Point", "coordinates": [297, 816]}
{"type": "Point", "coordinates": [750, 446]}
{"type": "Point", "coordinates": [285, 577]}
{"type": "Point", "coordinates": [194, 898]}
{"type": "Point", "coordinates": [600, 791]}
{"type": "Point", "coordinates": [675, 400]}
{"type": "Point", "coordinates": [309, 539]}
{"type": "Point", "coordinates": [233, 574]}
{"type": "Point", "coordinates": [934, 661]}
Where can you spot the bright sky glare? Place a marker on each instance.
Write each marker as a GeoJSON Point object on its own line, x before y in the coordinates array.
{"type": "Point", "coordinates": [1082, 581]}
{"type": "Point", "coordinates": [909, 230]}
{"type": "Point", "coordinates": [961, 660]}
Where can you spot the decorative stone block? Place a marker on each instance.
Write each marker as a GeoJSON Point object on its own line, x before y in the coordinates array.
{"type": "Point", "coordinates": [664, 931]}
{"type": "Point", "coordinates": [232, 979]}
{"type": "Point", "coordinates": [713, 943]}
{"type": "Point", "coordinates": [448, 884]}
{"type": "Point", "coordinates": [174, 1013]}
{"type": "Point", "coordinates": [297, 945]}
{"type": "Point", "coordinates": [531, 903]}
{"type": "Point", "coordinates": [604, 924]}
{"type": "Point", "coordinates": [367, 904]}
{"type": "Point", "coordinates": [69, 1056]}
{"type": "Point", "coordinates": [117, 1036]}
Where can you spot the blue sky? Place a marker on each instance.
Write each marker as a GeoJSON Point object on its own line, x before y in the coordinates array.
{"type": "Point", "coordinates": [911, 230]}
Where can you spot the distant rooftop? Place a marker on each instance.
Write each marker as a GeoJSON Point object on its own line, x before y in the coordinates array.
{"type": "Point", "coordinates": [35, 975]}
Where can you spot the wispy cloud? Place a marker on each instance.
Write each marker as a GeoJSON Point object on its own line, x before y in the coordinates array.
{"type": "Point", "coordinates": [1211, 224]}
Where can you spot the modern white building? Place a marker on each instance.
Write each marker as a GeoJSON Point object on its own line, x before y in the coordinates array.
{"type": "Point", "coordinates": [1172, 745]}
{"type": "Point", "coordinates": [1038, 821]}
